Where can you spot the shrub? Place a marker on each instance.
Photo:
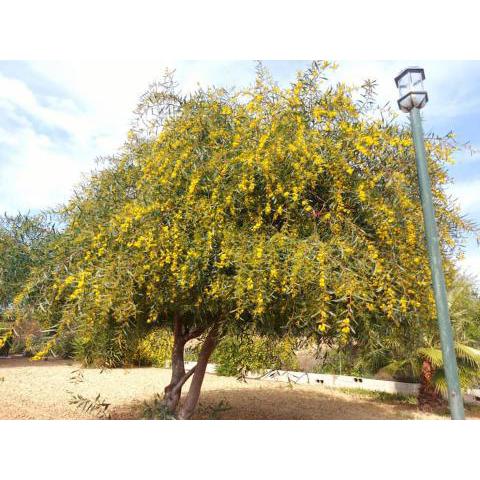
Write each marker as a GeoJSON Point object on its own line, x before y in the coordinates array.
{"type": "Point", "coordinates": [235, 356]}
{"type": "Point", "coordinates": [155, 349]}
{"type": "Point", "coordinates": [5, 340]}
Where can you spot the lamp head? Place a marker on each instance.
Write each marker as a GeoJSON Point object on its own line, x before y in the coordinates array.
{"type": "Point", "coordinates": [411, 90]}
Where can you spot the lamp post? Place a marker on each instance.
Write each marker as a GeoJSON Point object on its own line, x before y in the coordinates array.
{"type": "Point", "coordinates": [413, 97]}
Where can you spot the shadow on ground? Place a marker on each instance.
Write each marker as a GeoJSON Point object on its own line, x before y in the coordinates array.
{"type": "Point", "coordinates": [284, 403]}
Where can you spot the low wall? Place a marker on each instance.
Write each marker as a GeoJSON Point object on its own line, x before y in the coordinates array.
{"type": "Point", "coordinates": [342, 381]}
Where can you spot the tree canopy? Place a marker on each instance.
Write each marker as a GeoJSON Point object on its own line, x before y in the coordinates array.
{"type": "Point", "coordinates": [282, 211]}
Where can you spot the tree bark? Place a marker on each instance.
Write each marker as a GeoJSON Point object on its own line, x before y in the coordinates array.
{"type": "Point", "coordinates": [428, 397]}
{"type": "Point", "coordinates": [188, 407]}
{"type": "Point", "coordinates": [172, 394]}
{"type": "Point", "coordinates": [173, 391]}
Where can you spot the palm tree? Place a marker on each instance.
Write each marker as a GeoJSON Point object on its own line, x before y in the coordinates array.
{"type": "Point", "coordinates": [433, 383]}
{"type": "Point", "coordinates": [426, 362]}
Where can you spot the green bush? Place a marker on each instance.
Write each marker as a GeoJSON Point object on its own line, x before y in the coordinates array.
{"type": "Point", "coordinates": [343, 361]}
{"type": "Point", "coordinates": [235, 356]}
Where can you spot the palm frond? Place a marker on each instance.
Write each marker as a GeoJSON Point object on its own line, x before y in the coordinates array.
{"type": "Point", "coordinates": [440, 382]}
{"type": "Point", "coordinates": [433, 355]}
{"type": "Point", "coordinates": [467, 377]}
{"type": "Point", "coordinates": [393, 367]}
{"type": "Point", "coordinates": [468, 355]}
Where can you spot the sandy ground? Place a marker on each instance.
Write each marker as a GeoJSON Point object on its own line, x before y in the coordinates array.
{"type": "Point", "coordinates": [43, 390]}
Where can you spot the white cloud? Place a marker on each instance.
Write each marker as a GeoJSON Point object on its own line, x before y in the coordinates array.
{"type": "Point", "coordinates": [466, 157]}
{"type": "Point", "coordinates": [39, 170]}
{"type": "Point", "coordinates": [470, 265]}
{"type": "Point", "coordinates": [36, 171]}
{"type": "Point", "coordinates": [468, 195]}
{"type": "Point", "coordinates": [39, 175]}
{"type": "Point", "coordinates": [452, 86]}
{"type": "Point", "coordinates": [109, 91]}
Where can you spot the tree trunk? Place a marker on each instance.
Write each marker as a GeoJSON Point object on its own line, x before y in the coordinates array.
{"type": "Point", "coordinates": [172, 394]}
{"type": "Point", "coordinates": [188, 407]}
{"type": "Point", "coordinates": [428, 397]}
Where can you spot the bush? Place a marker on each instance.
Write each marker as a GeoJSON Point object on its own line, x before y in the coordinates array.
{"type": "Point", "coordinates": [155, 349]}
{"type": "Point", "coordinates": [235, 356]}
{"type": "Point", "coordinates": [342, 361]}
{"type": "Point", "coordinates": [6, 335]}
{"type": "Point", "coordinates": [28, 338]}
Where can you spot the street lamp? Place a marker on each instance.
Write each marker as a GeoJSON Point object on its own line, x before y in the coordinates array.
{"type": "Point", "coordinates": [413, 97]}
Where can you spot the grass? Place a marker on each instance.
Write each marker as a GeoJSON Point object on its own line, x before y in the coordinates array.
{"type": "Point", "coordinates": [384, 397]}
{"type": "Point", "coordinates": [400, 399]}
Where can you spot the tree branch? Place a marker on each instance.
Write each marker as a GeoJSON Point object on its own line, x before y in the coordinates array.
{"type": "Point", "coordinates": [194, 333]}
{"type": "Point", "coordinates": [182, 381]}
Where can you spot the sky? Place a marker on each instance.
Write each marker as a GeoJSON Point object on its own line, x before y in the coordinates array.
{"type": "Point", "coordinates": [56, 118]}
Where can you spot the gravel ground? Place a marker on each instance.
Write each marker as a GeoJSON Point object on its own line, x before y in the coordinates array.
{"type": "Point", "coordinates": [43, 390]}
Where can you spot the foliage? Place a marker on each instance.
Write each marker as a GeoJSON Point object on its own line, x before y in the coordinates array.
{"type": "Point", "coordinates": [401, 353]}
{"type": "Point", "coordinates": [155, 348]}
{"type": "Point", "coordinates": [468, 361]}
{"type": "Point", "coordinates": [392, 353]}
{"type": "Point", "coordinates": [6, 335]}
{"type": "Point", "coordinates": [122, 345]}
{"type": "Point", "coordinates": [111, 345]}
{"type": "Point", "coordinates": [464, 306]}
{"type": "Point", "coordinates": [236, 356]}
{"type": "Point", "coordinates": [22, 247]}
{"type": "Point", "coordinates": [292, 208]}
{"type": "Point", "coordinates": [156, 410]}
{"type": "Point", "coordinates": [343, 360]}
{"type": "Point", "coordinates": [25, 249]}
{"type": "Point", "coordinates": [97, 406]}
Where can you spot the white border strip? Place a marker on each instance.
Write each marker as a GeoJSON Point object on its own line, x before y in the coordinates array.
{"type": "Point", "coordinates": [340, 381]}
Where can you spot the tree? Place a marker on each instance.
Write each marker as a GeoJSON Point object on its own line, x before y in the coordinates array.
{"type": "Point", "coordinates": [433, 383]}
{"type": "Point", "coordinates": [276, 211]}
{"type": "Point", "coordinates": [23, 247]}
{"type": "Point", "coordinates": [464, 305]}
{"type": "Point", "coordinates": [22, 241]}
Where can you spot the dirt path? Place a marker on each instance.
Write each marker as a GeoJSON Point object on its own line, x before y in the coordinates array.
{"type": "Point", "coordinates": [40, 390]}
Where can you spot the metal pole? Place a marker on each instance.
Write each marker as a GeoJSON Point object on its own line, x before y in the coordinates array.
{"type": "Point", "coordinates": [455, 399]}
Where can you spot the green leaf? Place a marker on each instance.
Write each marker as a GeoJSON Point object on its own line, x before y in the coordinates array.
{"type": "Point", "coordinates": [468, 355]}
{"type": "Point", "coordinates": [433, 355]}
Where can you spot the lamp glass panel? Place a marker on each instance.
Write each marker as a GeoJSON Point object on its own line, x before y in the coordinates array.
{"type": "Point", "coordinates": [404, 84]}
{"type": "Point", "coordinates": [416, 81]}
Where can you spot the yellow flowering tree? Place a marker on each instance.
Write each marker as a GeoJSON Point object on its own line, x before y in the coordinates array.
{"type": "Point", "coordinates": [280, 211]}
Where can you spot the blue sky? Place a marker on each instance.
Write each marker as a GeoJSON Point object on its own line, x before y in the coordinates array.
{"type": "Point", "coordinates": [57, 117]}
